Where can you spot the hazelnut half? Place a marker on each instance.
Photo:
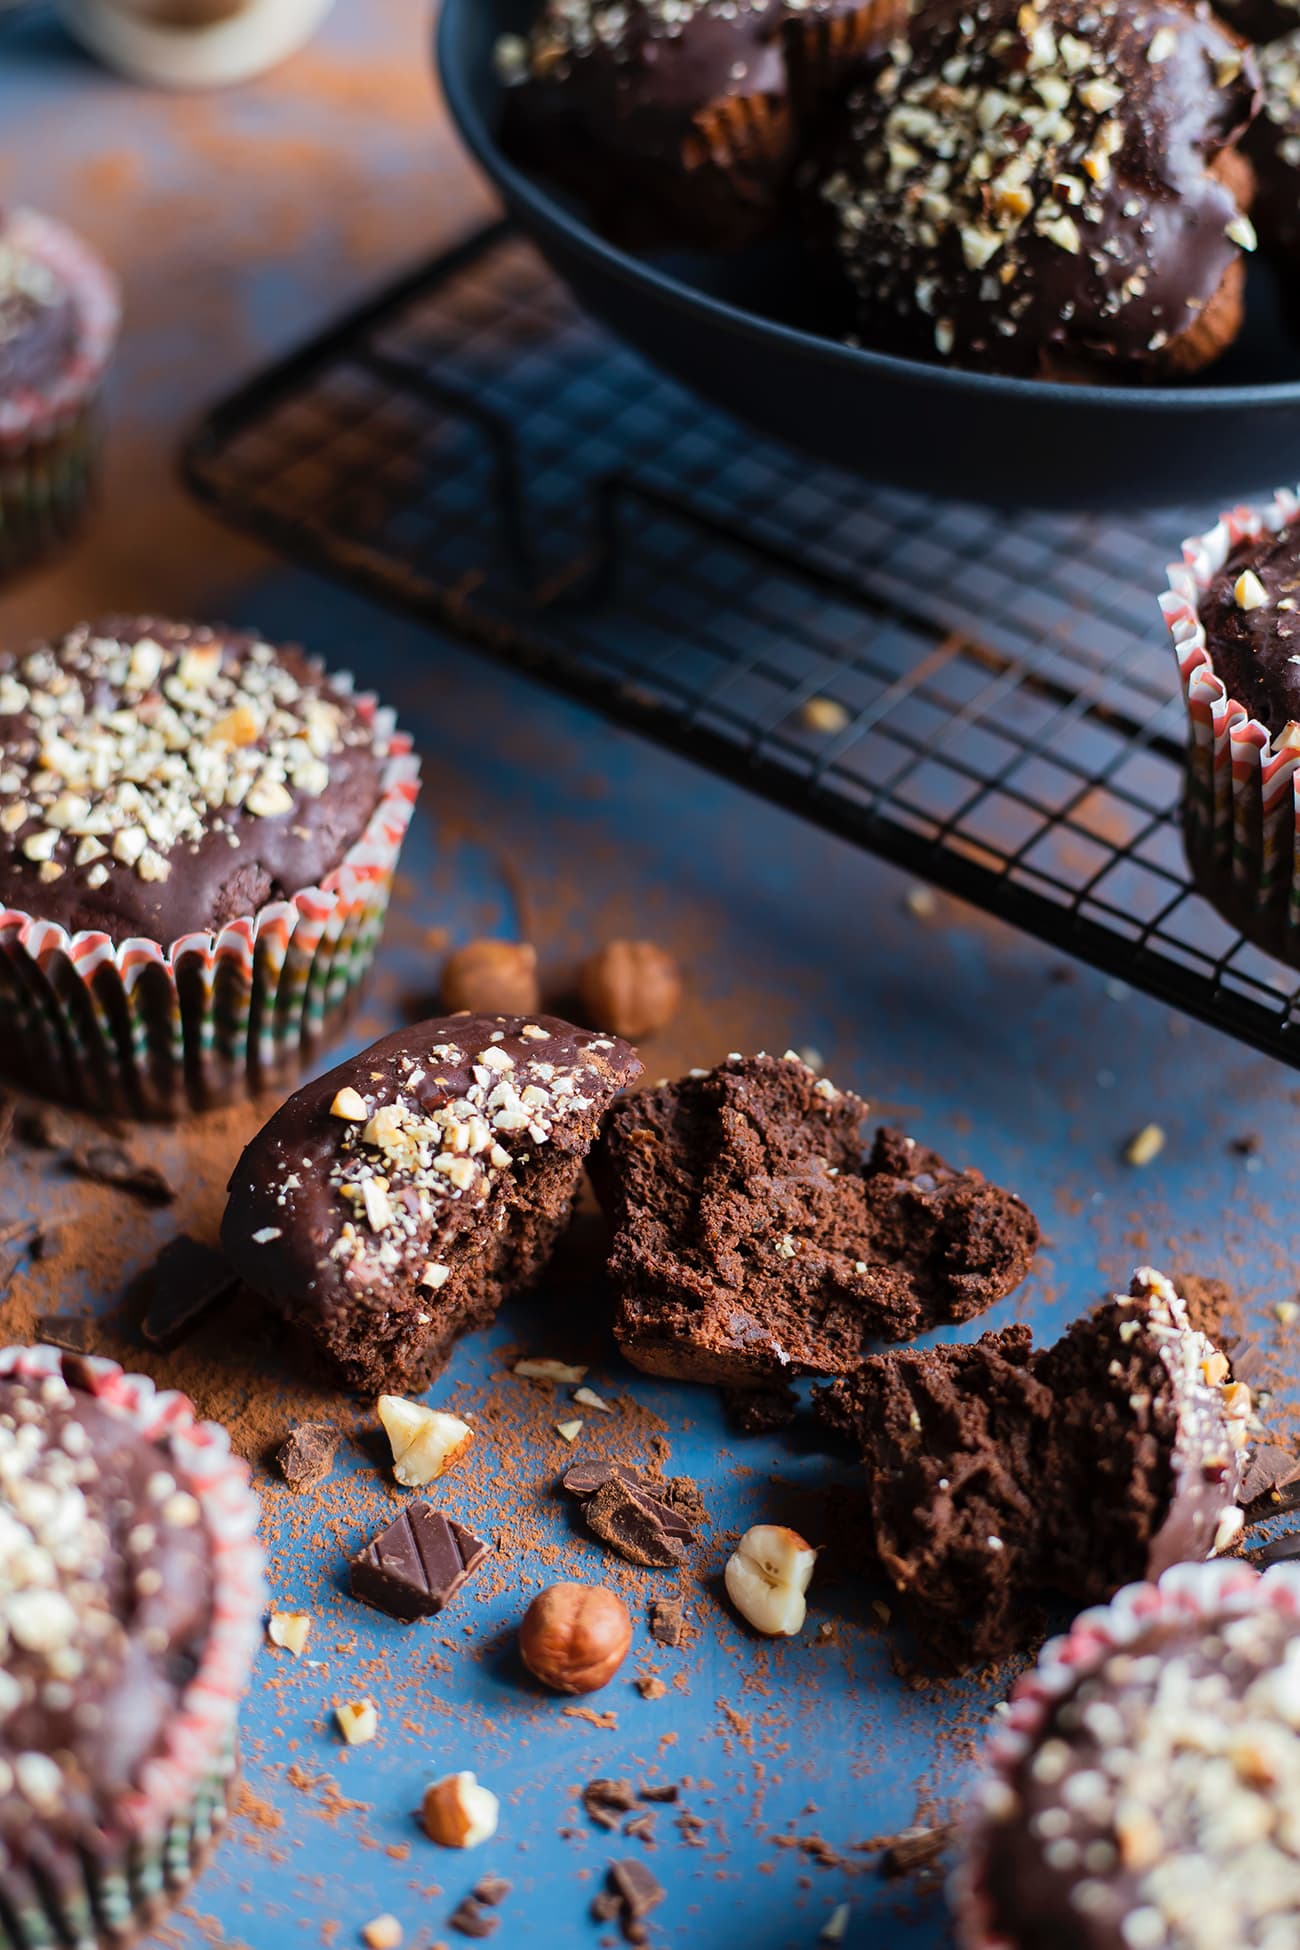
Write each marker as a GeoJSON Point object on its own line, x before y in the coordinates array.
{"type": "Point", "coordinates": [458, 1812]}
{"type": "Point", "coordinates": [494, 978]}
{"type": "Point", "coordinates": [574, 1637]}
{"type": "Point", "coordinates": [631, 987]}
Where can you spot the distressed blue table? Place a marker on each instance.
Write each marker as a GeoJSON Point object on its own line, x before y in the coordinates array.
{"type": "Point", "coordinates": [239, 221]}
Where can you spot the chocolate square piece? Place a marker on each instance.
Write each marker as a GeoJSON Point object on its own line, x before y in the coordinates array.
{"type": "Point", "coordinates": [415, 1567]}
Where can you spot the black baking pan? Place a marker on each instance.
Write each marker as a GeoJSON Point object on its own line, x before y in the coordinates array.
{"type": "Point", "coordinates": [737, 328]}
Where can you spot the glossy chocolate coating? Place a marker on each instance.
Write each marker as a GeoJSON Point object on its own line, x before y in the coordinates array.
{"type": "Point", "coordinates": [218, 863]}
{"type": "Point", "coordinates": [105, 1599]}
{"type": "Point", "coordinates": [1037, 191]}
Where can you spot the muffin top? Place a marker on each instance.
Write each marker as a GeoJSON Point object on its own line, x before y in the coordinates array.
{"type": "Point", "coordinates": [39, 325]}
{"type": "Point", "coordinates": [362, 1187]}
{"type": "Point", "coordinates": [159, 779]}
{"type": "Point", "coordinates": [106, 1595]}
{"type": "Point", "coordinates": [1251, 614]}
{"type": "Point", "coordinates": [1156, 1807]}
{"type": "Point", "coordinates": [1026, 183]}
{"type": "Point", "coordinates": [638, 70]}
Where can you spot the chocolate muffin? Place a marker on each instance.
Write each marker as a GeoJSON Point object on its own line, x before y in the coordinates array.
{"type": "Point", "coordinates": [757, 1237]}
{"type": "Point", "coordinates": [672, 118]}
{"type": "Point", "coordinates": [197, 799]}
{"type": "Point", "coordinates": [130, 1595]}
{"type": "Point", "coordinates": [999, 1474]}
{"type": "Point", "coordinates": [59, 314]}
{"type": "Point", "coordinates": [1142, 1793]}
{"type": "Point", "coordinates": [391, 1205]}
{"type": "Point", "coordinates": [1051, 191]}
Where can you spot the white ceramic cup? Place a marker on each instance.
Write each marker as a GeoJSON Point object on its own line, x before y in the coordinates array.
{"type": "Point", "coordinates": [192, 43]}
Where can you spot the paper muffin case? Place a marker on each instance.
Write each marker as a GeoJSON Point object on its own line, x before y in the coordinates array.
{"type": "Point", "coordinates": [121, 1879]}
{"type": "Point", "coordinates": [1241, 804]}
{"type": "Point", "coordinates": [143, 1030]}
{"type": "Point", "coordinates": [49, 440]}
{"type": "Point", "coordinates": [1187, 1592]}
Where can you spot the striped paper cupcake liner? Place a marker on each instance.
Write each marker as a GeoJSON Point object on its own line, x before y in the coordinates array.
{"type": "Point", "coordinates": [49, 440]}
{"type": "Point", "coordinates": [1241, 805]}
{"type": "Point", "coordinates": [142, 1030]}
{"type": "Point", "coordinates": [128, 1871]}
{"type": "Point", "coordinates": [1187, 1592]}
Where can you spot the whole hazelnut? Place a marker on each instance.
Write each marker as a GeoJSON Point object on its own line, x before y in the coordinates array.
{"type": "Point", "coordinates": [631, 987]}
{"type": "Point", "coordinates": [492, 978]}
{"type": "Point", "coordinates": [574, 1637]}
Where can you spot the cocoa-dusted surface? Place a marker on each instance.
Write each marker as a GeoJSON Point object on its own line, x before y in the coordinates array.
{"type": "Point", "coordinates": [492, 1118]}
{"type": "Point", "coordinates": [1047, 190]}
{"type": "Point", "coordinates": [1251, 649]}
{"type": "Point", "coordinates": [267, 713]}
{"type": "Point", "coordinates": [999, 1473]}
{"type": "Point", "coordinates": [757, 1236]}
{"type": "Point", "coordinates": [106, 1593]}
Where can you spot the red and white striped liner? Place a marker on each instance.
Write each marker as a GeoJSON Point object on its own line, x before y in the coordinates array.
{"type": "Point", "coordinates": [1186, 1592]}
{"type": "Point", "coordinates": [1243, 796]}
{"type": "Point", "coordinates": [288, 948]}
{"type": "Point", "coordinates": [26, 417]}
{"type": "Point", "coordinates": [201, 1729]}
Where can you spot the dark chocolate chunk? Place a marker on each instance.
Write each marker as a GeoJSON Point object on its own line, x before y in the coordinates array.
{"type": "Point", "coordinates": [606, 1905]}
{"type": "Point", "coordinates": [641, 1828]}
{"type": "Point", "coordinates": [491, 1890]}
{"type": "Point", "coordinates": [471, 1919]}
{"type": "Point", "coordinates": [306, 1457]}
{"type": "Point", "coordinates": [637, 1526]}
{"type": "Point", "coordinates": [639, 1892]}
{"type": "Point", "coordinates": [416, 1566]}
{"type": "Point", "coordinates": [112, 1164]}
{"type": "Point", "coordinates": [606, 1802]}
{"type": "Point", "coordinates": [190, 1279]}
{"type": "Point", "coordinates": [50, 1240]}
{"type": "Point", "coordinates": [916, 1848]}
{"type": "Point", "coordinates": [666, 1622]}
{"type": "Point", "coordinates": [73, 1332]}
{"type": "Point", "coordinates": [585, 1478]}
{"type": "Point", "coordinates": [666, 1791]}
{"type": "Point", "coordinates": [1270, 1469]}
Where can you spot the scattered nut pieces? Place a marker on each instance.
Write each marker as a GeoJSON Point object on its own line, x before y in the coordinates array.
{"type": "Point", "coordinates": [544, 1370]}
{"type": "Point", "coordinates": [358, 1721]}
{"type": "Point", "coordinates": [425, 1441]}
{"type": "Point", "coordinates": [382, 1933]}
{"type": "Point", "coordinates": [574, 1637]}
{"type": "Point", "coordinates": [570, 1430]}
{"type": "Point", "coordinates": [650, 1686]}
{"type": "Point", "coordinates": [1147, 1145]}
{"type": "Point", "coordinates": [836, 1924]}
{"type": "Point", "coordinates": [921, 902]}
{"type": "Point", "coordinates": [493, 978]}
{"type": "Point", "coordinates": [458, 1813]}
{"type": "Point", "coordinates": [631, 987]}
{"type": "Point", "coordinates": [1248, 591]}
{"type": "Point", "coordinates": [590, 1399]}
{"type": "Point", "coordinates": [289, 1629]}
{"type": "Point", "coordinates": [350, 1105]}
{"type": "Point", "coordinates": [824, 714]}
{"type": "Point", "coordinates": [767, 1576]}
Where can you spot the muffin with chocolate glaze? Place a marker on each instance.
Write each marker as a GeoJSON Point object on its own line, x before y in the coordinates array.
{"type": "Point", "coordinates": [1141, 1793]}
{"type": "Point", "coordinates": [389, 1207]}
{"type": "Point", "coordinates": [672, 118]}
{"type": "Point", "coordinates": [130, 1599]}
{"type": "Point", "coordinates": [1051, 191]}
{"type": "Point", "coordinates": [1233, 610]}
{"type": "Point", "coordinates": [1272, 144]}
{"type": "Point", "coordinates": [199, 833]}
{"type": "Point", "coordinates": [59, 313]}
{"type": "Point", "coordinates": [999, 1474]}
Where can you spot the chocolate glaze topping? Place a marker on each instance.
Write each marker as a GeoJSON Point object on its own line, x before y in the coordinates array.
{"type": "Point", "coordinates": [38, 319]}
{"type": "Point", "coordinates": [1273, 143]}
{"type": "Point", "coordinates": [1030, 187]}
{"type": "Point", "coordinates": [105, 1601]}
{"type": "Point", "coordinates": [1156, 1807]}
{"type": "Point", "coordinates": [1251, 613]}
{"type": "Point", "coordinates": [163, 778]}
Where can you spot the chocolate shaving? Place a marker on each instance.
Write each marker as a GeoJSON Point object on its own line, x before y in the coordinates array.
{"type": "Point", "coordinates": [491, 1890]}
{"type": "Point", "coordinates": [471, 1919]}
{"type": "Point", "coordinates": [637, 1526]}
{"type": "Point", "coordinates": [678, 1495]}
{"type": "Point", "coordinates": [691, 1828]}
{"type": "Point", "coordinates": [915, 1848]}
{"type": "Point", "coordinates": [606, 1802]}
{"type": "Point", "coordinates": [417, 1565]}
{"type": "Point", "coordinates": [190, 1280]}
{"type": "Point", "coordinates": [635, 1892]}
{"type": "Point", "coordinates": [642, 1828]}
{"type": "Point", "coordinates": [665, 1791]}
{"type": "Point", "coordinates": [113, 1165]}
{"type": "Point", "coordinates": [585, 1478]}
{"type": "Point", "coordinates": [306, 1457]}
{"type": "Point", "coordinates": [72, 1332]}
{"type": "Point", "coordinates": [667, 1625]}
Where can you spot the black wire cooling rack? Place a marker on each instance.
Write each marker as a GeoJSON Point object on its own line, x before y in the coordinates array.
{"type": "Point", "coordinates": [989, 701]}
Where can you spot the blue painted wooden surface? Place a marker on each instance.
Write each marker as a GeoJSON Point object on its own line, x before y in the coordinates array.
{"type": "Point", "coordinates": [239, 221]}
